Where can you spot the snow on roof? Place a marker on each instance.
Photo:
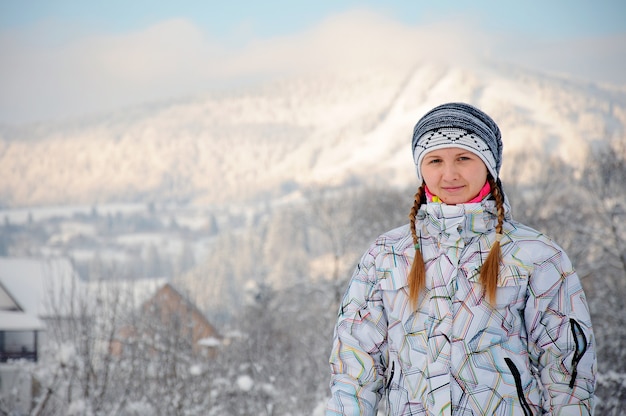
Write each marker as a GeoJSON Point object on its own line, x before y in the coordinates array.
{"type": "Point", "coordinates": [132, 292]}
{"type": "Point", "coordinates": [36, 288]}
{"type": "Point", "coordinates": [41, 287]}
{"type": "Point", "coordinates": [7, 302]}
{"type": "Point", "coordinates": [19, 321]}
{"type": "Point", "coordinates": [210, 342]}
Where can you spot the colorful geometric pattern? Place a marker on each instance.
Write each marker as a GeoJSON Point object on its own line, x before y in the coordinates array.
{"type": "Point", "coordinates": [531, 352]}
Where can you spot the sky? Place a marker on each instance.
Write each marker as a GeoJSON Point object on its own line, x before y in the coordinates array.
{"type": "Point", "coordinates": [63, 59]}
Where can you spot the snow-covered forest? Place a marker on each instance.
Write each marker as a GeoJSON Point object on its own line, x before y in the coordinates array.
{"type": "Point", "coordinates": [294, 183]}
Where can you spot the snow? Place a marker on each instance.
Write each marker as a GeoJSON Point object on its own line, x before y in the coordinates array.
{"type": "Point", "coordinates": [139, 409]}
{"type": "Point", "coordinates": [245, 383]}
{"type": "Point", "coordinates": [40, 286]}
{"type": "Point", "coordinates": [78, 407]}
{"type": "Point", "coordinates": [135, 291]}
{"type": "Point", "coordinates": [210, 342]}
{"type": "Point", "coordinates": [66, 354]}
{"type": "Point", "coordinates": [320, 409]}
{"type": "Point", "coordinates": [216, 150]}
{"type": "Point", "coordinates": [19, 321]}
{"type": "Point", "coordinates": [38, 213]}
{"type": "Point", "coordinates": [195, 370]}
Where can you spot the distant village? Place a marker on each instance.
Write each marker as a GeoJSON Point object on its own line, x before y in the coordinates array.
{"type": "Point", "coordinates": [54, 259]}
{"type": "Point", "coordinates": [130, 240]}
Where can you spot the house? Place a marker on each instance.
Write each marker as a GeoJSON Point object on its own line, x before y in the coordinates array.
{"type": "Point", "coordinates": [177, 312]}
{"type": "Point", "coordinates": [19, 329]}
{"type": "Point", "coordinates": [32, 291]}
{"type": "Point", "coordinates": [168, 314]}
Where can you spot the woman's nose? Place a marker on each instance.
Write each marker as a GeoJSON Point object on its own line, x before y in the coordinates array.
{"type": "Point", "coordinates": [449, 171]}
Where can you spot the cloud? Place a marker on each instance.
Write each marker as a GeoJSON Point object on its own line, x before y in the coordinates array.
{"type": "Point", "coordinates": [357, 39]}
{"type": "Point", "coordinates": [43, 77]}
{"type": "Point", "coordinates": [102, 72]}
{"type": "Point", "coordinates": [599, 59]}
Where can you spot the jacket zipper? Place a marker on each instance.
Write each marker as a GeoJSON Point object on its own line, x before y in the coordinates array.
{"type": "Point", "coordinates": [580, 340]}
{"type": "Point", "coordinates": [387, 391]}
{"type": "Point", "coordinates": [518, 386]}
{"type": "Point", "coordinates": [391, 372]}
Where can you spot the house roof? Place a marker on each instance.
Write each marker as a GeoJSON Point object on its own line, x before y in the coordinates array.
{"type": "Point", "coordinates": [129, 292]}
{"type": "Point", "coordinates": [39, 287]}
{"type": "Point", "coordinates": [166, 290]}
{"type": "Point", "coordinates": [20, 321]}
{"type": "Point", "coordinates": [7, 301]}
{"type": "Point", "coordinates": [32, 289]}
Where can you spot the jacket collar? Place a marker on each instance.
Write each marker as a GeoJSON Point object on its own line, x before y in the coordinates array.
{"type": "Point", "coordinates": [450, 223]}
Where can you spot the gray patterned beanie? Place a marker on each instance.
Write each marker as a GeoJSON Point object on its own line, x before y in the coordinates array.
{"type": "Point", "coordinates": [458, 125]}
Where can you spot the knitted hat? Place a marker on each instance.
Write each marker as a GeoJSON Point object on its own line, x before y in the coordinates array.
{"type": "Point", "coordinates": [458, 125]}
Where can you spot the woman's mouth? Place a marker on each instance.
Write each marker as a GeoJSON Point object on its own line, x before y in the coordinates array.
{"type": "Point", "coordinates": [453, 189]}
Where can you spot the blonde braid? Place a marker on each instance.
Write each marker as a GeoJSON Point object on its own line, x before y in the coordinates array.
{"type": "Point", "coordinates": [491, 267]}
{"type": "Point", "coordinates": [417, 274]}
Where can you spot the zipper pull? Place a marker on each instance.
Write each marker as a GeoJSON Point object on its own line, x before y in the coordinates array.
{"type": "Point", "coordinates": [580, 340]}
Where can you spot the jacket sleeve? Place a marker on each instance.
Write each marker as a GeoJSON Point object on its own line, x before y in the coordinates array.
{"type": "Point", "coordinates": [560, 337]}
{"type": "Point", "coordinates": [359, 353]}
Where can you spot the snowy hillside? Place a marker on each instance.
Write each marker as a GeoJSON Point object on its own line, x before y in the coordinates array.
{"type": "Point", "coordinates": [271, 140]}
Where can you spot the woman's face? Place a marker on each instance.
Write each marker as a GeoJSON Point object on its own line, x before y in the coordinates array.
{"type": "Point", "coordinates": [455, 175]}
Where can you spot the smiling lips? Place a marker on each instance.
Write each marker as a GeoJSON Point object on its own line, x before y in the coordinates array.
{"type": "Point", "coordinates": [452, 189]}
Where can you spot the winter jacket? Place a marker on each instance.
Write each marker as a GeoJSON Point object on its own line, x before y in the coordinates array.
{"type": "Point", "coordinates": [530, 353]}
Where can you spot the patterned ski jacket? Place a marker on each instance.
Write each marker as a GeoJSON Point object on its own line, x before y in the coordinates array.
{"type": "Point", "coordinates": [531, 353]}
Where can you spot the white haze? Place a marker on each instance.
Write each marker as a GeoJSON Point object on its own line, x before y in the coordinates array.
{"type": "Point", "coordinates": [49, 77]}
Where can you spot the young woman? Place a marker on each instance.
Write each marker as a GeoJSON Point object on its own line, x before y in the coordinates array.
{"type": "Point", "coordinates": [463, 311]}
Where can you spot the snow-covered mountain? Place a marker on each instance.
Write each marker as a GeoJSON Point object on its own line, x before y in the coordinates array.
{"type": "Point", "coordinates": [271, 140]}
